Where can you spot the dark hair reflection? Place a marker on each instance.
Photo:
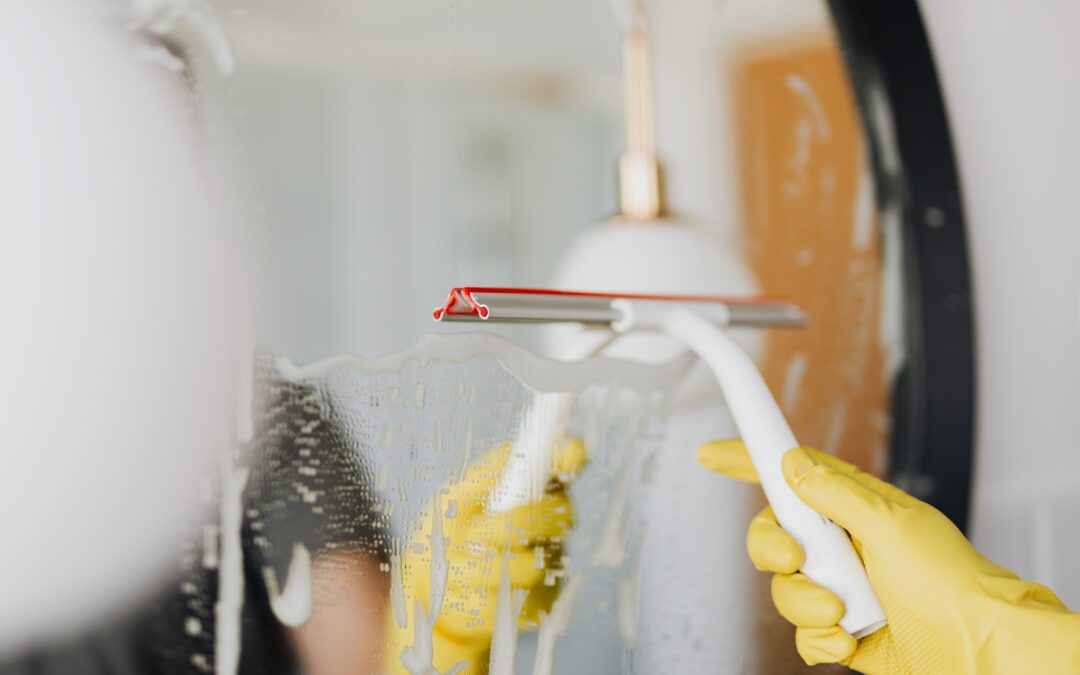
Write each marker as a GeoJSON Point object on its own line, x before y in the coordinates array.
{"type": "Point", "coordinates": [308, 485]}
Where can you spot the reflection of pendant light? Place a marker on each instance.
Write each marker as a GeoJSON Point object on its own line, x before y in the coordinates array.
{"type": "Point", "coordinates": [644, 248]}
{"type": "Point", "coordinates": [639, 173]}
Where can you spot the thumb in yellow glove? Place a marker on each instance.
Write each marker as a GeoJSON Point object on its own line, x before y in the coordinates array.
{"type": "Point", "coordinates": [950, 610]}
{"type": "Point", "coordinates": [454, 563]}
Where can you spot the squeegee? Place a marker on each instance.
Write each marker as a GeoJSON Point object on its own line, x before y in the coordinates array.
{"type": "Point", "coordinates": [698, 322]}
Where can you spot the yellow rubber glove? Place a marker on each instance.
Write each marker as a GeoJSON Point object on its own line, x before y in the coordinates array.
{"type": "Point", "coordinates": [950, 610]}
{"type": "Point", "coordinates": [477, 544]}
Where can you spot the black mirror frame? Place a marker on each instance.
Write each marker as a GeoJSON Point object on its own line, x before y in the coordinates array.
{"type": "Point", "coordinates": [892, 70]}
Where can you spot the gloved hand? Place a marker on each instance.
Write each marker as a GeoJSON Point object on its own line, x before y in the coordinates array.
{"type": "Point", "coordinates": [477, 545]}
{"type": "Point", "coordinates": [950, 610]}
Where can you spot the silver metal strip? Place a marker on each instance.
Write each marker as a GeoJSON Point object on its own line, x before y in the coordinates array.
{"type": "Point", "coordinates": [544, 308]}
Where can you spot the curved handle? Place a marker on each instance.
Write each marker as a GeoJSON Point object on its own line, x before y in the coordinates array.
{"type": "Point", "coordinates": [830, 558]}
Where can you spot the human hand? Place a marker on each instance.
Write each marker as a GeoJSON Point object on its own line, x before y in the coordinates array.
{"type": "Point", "coordinates": [949, 609]}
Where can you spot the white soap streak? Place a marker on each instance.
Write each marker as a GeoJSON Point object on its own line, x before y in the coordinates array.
{"type": "Point", "coordinates": [397, 586]}
{"type": "Point", "coordinates": [627, 602]}
{"type": "Point", "coordinates": [230, 603]}
{"type": "Point", "coordinates": [507, 609]}
{"type": "Point", "coordinates": [292, 606]}
{"type": "Point", "coordinates": [540, 373]}
{"type": "Point", "coordinates": [793, 379]}
{"type": "Point", "coordinates": [466, 452]}
{"type": "Point", "coordinates": [418, 658]}
{"type": "Point", "coordinates": [865, 216]}
{"type": "Point", "coordinates": [611, 549]}
{"type": "Point", "coordinates": [386, 437]}
{"type": "Point", "coordinates": [440, 566]}
{"type": "Point", "coordinates": [439, 447]}
{"type": "Point", "coordinates": [798, 84]}
{"type": "Point", "coordinates": [211, 535]}
{"type": "Point", "coordinates": [893, 316]}
{"type": "Point", "coordinates": [590, 434]}
{"type": "Point", "coordinates": [532, 459]}
{"type": "Point", "coordinates": [554, 625]}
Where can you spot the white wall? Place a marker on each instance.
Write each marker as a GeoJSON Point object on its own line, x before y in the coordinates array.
{"type": "Point", "coordinates": [1009, 71]}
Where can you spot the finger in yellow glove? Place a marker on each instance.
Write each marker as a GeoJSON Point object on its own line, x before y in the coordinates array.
{"type": "Point", "coordinates": [452, 567]}
{"type": "Point", "coordinates": [950, 610]}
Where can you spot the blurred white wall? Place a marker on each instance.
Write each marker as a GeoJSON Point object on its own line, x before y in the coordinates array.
{"type": "Point", "coordinates": [397, 149]}
{"type": "Point", "coordinates": [117, 304]}
{"type": "Point", "coordinates": [1009, 72]}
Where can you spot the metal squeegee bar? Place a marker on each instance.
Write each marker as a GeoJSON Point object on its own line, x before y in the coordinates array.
{"type": "Point", "coordinates": [537, 305]}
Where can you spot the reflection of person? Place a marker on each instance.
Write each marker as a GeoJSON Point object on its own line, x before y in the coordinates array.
{"type": "Point", "coordinates": [479, 552]}
{"type": "Point", "coordinates": [309, 486]}
{"type": "Point", "coordinates": [949, 609]}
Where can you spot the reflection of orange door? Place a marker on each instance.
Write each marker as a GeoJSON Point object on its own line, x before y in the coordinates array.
{"type": "Point", "coordinates": [811, 232]}
{"type": "Point", "coordinates": [810, 228]}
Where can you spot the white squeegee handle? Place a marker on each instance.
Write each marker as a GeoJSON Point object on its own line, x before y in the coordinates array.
{"type": "Point", "coordinates": [830, 557]}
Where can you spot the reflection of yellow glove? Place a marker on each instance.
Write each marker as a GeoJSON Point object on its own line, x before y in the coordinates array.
{"type": "Point", "coordinates": [477, 544]}
{"type": "Point", "coordinates": [950, 610]}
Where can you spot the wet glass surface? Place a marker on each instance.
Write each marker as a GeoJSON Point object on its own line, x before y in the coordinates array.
{"type": "Point", "coordinates": [352, 463]}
